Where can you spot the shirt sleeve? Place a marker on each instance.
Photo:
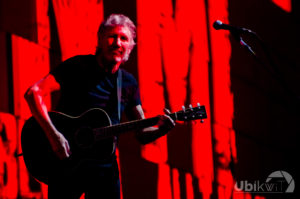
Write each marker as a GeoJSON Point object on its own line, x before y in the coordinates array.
{"type": "Point", "coordinates": [66, 72]}
{"type": "Point", "coordinates": [134, 98]}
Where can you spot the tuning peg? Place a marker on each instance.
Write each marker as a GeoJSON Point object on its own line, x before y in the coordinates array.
{"type": "Point", "coordinates": [191, 107]}
{"type": "Point", "coordinates": [183, 108]}
{"type": "Point", "coordinates": [198, 104]}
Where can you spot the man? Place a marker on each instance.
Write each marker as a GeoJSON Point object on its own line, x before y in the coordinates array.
{"type": "Point", "coordinates": [90, 81]}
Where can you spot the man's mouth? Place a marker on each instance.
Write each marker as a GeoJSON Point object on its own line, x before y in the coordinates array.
{"type": "Point", "coordinates": [115, 49]}
{"type": "Point", "coordinates": [116, 52]}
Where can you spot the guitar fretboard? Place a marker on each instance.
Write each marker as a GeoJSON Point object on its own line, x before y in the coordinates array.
{"type": "Point", "coordinates": [109, 131]}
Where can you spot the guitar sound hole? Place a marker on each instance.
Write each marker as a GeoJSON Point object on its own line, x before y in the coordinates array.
{"type": "Point", "coordinates": [84, 137]}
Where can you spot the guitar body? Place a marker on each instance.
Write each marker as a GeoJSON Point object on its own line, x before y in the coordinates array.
{"type": "Point", "coordinates": [39, 157]}
{"type": "Point", "coordinates": [90, 135]}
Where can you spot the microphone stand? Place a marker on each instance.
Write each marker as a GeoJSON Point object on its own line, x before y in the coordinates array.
{"type": "Point", "coordinates": [275, 72]}
{"type": "Point", "coordinates": [237, 36]}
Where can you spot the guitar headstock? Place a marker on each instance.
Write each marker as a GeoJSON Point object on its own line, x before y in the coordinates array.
{"type": "Point", "coordinates": [191, 113]}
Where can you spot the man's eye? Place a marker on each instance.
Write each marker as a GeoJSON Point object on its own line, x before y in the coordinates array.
{"type": "Point", "coordinates": [124, 38]}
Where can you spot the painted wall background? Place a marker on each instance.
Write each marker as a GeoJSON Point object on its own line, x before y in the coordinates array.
{"type": "Point", "coordinates": [179, 59]}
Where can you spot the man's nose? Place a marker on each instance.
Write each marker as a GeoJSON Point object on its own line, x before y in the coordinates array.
{"type": "Point", "coordinates": [118, 41]}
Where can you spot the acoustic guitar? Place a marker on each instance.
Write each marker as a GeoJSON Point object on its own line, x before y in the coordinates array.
{"type": "Point", "coordinates": [84, 133]}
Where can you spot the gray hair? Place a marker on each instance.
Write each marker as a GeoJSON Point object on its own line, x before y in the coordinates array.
{"type": "Point", "coordinates": [118, 20]}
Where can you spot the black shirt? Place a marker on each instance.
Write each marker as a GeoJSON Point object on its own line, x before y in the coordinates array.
{"type": "Point", "coordinates": [85, 85]}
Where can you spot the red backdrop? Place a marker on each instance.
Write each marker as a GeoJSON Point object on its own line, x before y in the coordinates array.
{"type": "Point", "coordinates": [179, 60]}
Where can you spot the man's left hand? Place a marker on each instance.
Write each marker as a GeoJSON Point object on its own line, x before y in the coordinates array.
{"type": "Point", "coordinates": [165, 123]}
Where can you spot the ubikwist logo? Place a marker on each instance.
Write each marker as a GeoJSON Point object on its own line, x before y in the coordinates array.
{"type": "Point", "coordinates": [276, 182]}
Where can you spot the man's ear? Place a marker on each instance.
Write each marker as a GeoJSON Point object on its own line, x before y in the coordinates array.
{"type": "Point", "coordinates": [132, 46]}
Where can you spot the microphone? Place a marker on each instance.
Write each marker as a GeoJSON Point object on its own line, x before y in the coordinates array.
{"type": "Point", "coordinates": [235, 31]}
{"type": "Point", "coordinates": [219, 25]}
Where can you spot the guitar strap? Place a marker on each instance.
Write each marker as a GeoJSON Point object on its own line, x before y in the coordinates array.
{"type": "Point", "coordinates": [119, 95]}
{"type": "Point", "coordinates": [119, 92]}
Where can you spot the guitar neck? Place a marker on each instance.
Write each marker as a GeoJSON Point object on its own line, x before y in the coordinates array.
{"type": "Point", "coordinates": [127, 126]}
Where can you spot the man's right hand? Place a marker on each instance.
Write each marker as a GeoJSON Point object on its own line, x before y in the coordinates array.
{"type": "Point", "coordinates": [59, 144]}
{"type": "Point", "coordinates": [35, 98]}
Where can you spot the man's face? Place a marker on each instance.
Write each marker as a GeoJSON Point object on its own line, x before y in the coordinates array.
{"type": "Point", "coordinates": [115, 44]}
